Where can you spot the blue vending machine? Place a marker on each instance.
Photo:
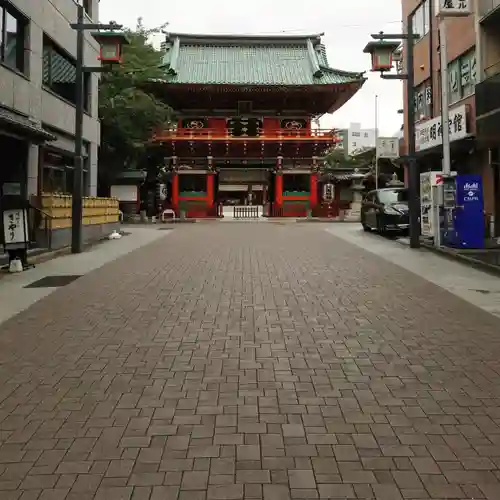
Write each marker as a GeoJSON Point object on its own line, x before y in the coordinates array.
{"type": "Point", "coordinates": [463, 212]}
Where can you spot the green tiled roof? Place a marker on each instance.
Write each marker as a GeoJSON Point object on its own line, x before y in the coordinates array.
{"type": "Point", "coordinates": [250, 60]}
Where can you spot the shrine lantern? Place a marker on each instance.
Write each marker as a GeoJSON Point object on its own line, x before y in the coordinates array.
{"type": "Point", "coordinates": [382, 52]}
{"type": "Point", "coordinates": [111, 43]}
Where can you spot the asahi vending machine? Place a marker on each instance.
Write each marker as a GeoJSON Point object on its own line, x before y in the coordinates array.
{"type": "Point", "coordinates": [464, 225]}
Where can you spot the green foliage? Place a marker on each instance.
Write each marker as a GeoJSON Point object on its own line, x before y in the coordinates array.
{"type": "Point", "coordinates": [337, 158]}
{"type": "Point", "coordinates": [128, 114]}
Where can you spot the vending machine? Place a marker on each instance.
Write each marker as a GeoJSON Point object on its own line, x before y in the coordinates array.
{"type": "Point", "coordinates": [430, 202]}
{"type": "Point", "coordinates": [463, 208]}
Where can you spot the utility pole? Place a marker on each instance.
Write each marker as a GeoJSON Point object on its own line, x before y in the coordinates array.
{"type": "Point", "coordinates": [77, 201]}
{"type": "Point", "coordinates": [382, 53]}
{"type": "Point", "coordinates": [111, 53]}
{"type": "Point", "coordinates": [376, 142]}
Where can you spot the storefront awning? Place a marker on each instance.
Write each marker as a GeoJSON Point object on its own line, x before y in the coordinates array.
{"type": "Point", "coordinates": [24, 126]}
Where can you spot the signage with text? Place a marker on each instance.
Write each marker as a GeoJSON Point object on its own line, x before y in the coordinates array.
{"type": "Point", "coordinates": [388, 147]}
{"type": "Point", "coordinates": [453, 8]}
{"type": "Point", "coordinates": [429, 134]}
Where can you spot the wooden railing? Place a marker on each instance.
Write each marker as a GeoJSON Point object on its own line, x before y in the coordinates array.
{"type": "Point", "coordinates": [266, 134]}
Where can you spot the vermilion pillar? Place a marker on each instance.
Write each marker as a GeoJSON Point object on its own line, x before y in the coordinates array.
{"type": "Point", "coordinates": [278, 189]}
{"type": "Point", "coordinates": [314, 189]}
{"type": "Point", "coordinates": [210, 190]}
{"type": "Point", "coordinates": [175, 192]}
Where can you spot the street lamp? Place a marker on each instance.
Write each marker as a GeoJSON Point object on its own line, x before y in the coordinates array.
{"type": "Point", "coordinates": [382, 53]}
{"type": "Point", "coordinates": [111, 42]}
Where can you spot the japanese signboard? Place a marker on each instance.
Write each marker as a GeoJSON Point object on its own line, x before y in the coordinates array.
{"type": "Point", "coordinates": [388, 147]}
{"type": "Point", "coordinates": [328, 192]}
{"type": "Point", "coordinates": [453, 8]}
{"type": "Point", "coordinates": [15, 227]}
{"type": "Point", "coordinates": [429, 134]}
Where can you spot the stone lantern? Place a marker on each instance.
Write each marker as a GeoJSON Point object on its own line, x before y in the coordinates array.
{"type": "Point", "coordinates": [395, 182]}
{"type": "Point", "coordinates": [357, 187]}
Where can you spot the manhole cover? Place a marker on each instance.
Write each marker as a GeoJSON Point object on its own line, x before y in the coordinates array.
{"type": "Point", "coordinates": [54, 281]}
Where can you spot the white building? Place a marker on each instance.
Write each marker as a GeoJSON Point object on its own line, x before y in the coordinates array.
{"type": "Point", "coordinates": [356, 139]}
{"type": "Point", "coordinates": [37, 97]}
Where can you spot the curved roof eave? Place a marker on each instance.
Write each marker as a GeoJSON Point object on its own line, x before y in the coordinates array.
{"type": "Point", "coordinates": [347, 96]}
{"type": "Point", "coordinates": [250, 37]}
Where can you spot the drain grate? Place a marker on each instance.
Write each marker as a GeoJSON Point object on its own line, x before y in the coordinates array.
{"type": "Point", "coordinates": [54, 281]}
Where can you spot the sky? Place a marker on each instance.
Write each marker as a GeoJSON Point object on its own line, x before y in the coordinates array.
{"type": "Point", "coordinates": [346, 25]}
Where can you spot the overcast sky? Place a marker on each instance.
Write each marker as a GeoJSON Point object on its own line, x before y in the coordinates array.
{"type": "Point", "coordinates": [347, 25]}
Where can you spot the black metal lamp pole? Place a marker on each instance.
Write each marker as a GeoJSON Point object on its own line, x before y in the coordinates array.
{"type": "Point", "coordinates": [413, 173]}
{"type": "Point", "coordinates": [77, 201]}
{"type": "Point", "coordinates": [77, 194]}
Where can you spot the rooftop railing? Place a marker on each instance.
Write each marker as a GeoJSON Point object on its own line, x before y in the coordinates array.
{"type": "Point", "coordinates": [326, 135]}
{"type": "Point", "coordinates": [487, 6]}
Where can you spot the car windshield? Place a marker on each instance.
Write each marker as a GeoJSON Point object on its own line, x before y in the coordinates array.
{"type": "Point", "coordinates": [393, 196]}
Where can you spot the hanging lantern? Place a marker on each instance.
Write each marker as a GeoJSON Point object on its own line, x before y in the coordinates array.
{"type": "Point", "coordinates": [111, 43]}
{"type": "Point", "coordinates": [382, 53]}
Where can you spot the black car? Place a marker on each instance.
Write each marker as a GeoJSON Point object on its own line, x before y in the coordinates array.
{"type": "Point", "coordinates": [385, 210]}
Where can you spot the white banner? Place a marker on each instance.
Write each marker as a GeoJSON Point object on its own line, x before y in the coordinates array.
{"type": "Point", "coordinates": [453, 8]}
{"type": "Point", "coordinates": [428, 134]}
{"type": "Point", "coordinates": [387, 147]}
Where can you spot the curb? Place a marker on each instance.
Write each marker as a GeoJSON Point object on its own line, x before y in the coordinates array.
{"type": "Point", "coordinates": [471, 261]}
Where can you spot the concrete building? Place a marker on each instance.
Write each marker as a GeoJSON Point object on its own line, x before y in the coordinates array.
{"type": "Point", "coordinates": [37, 97]}
{"type": "Point", "coordinates": [469, 154]}
{"type": "Point", "coordinates": [355, 139]}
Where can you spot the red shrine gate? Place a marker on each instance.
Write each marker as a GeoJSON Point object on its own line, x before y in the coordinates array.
{"type": "Point", "coordinates": [244, 136]}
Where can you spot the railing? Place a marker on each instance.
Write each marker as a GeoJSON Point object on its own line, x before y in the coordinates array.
{"type": "Point", "coordinates": [492, 70]}
{"type": "Point", "coordinates": [488, 91]}
{"type": "Point", "coordinates": [486, 6]}
{"type": "Point", "coordinates": [40, 227]}
{"type": "Point", "coordinates": [249, 212]}
{"type": "Point", "coordinates": [269, 134]}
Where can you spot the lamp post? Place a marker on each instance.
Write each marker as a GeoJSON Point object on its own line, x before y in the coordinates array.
{"type": "Point", "coordinates": [111, 53]}
{"type": "Point", "coordinates": [382, 53]}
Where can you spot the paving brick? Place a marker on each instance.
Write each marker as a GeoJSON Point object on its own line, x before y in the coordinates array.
{"type": "Point", "coordinates": [194, 480]}
{"type": "Point", "coordinates": [258, 361]}
{"type": "Point", "coordinates": [301, 479]}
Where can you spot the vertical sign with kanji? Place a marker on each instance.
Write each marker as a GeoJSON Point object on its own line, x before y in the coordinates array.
{"type": "Point", "coordinates": [453, 8]}
{"type": "Point", "coordinates": [15, 228]}
{"type": "Point", "coordinates": [328, 192]}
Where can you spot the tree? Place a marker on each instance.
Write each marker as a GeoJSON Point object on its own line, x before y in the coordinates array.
{"type": "Point", "coordinates": [128, 114]}
{"type": "Point", "coordinates": [337, 158]}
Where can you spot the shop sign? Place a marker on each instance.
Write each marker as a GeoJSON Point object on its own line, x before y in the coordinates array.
{"type": "Point", "coordinates": [429, 134]}
{"type": "Point", "coordinates": [453, 8]}
{"type": "Point", "coordinates": [15, 227]}
{"type": "Point", "coordinates": [387, 147]}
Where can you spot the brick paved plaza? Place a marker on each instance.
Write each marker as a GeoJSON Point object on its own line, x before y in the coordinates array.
{"type": "Point", "coordinates": [250, 360]}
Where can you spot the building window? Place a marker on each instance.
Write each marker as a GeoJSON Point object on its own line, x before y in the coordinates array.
{"type": "Point", "coordinates": [87, 7]}
{"type": "Point", "coordinates": [423, 101]}
{"type": "Point", "coordinates": [462, 76]}
{"type": "Point", "coordinates": [421, 19]}
{"type": "Point", "coordinates": [59, 73]}
{"type": "Point", "coordinates": [58, 173]}
{"type": "Point", "coordinates": [12, 37]}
